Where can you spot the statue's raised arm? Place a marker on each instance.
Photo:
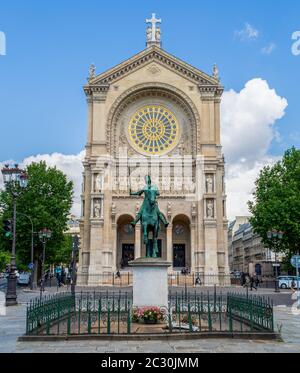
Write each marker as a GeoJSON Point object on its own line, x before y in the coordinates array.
{"type": "Point", "coordinates": [139, 193]}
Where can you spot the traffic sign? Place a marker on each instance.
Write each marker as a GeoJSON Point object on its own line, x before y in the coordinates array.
{"type": "Point", "coordinates": [295, 261]}
{"type": "Point", "coordinates": [30, 266]}
{"type": "Point", "coordinates": [276, 265]}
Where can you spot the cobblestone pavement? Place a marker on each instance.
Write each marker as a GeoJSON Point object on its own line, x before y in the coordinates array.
{"type": "Point", "coordinates": [13, 325]}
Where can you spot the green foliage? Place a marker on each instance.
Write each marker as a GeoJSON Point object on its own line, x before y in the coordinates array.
{"type": "Point", "coordinates": [276, 204]}
{"type": "Point", "coordinates": [47, 200]}
{"type": "Point", "coordinates": [63, 253]}
{"type": "Point", "coordinates": [4, 260]}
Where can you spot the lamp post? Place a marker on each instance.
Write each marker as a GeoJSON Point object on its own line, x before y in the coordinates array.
{"type": "Point", "coordinates": [75, 248]}
{"type": "Point", "coordinates": [15, 180]}
{"type": "Point", "coordinates": [44, 235]}
{"type": "Point", "coordinates": [277, 236]}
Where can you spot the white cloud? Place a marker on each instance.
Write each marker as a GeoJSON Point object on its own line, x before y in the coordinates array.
{"type": "Point", "coordinates": [71, 165]}
{"type": "Point", "coordinates": [247, 33]}
{"type": "Point", "coordinates": [248, 119]}
{"type": "Point", "coordinates": [269, 49]}
{"type": "Point", "coordinates": [240, 184]}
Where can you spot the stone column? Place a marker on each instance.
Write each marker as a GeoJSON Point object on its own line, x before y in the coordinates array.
{"type": "Point", "coordinates": [169, 245]}
{"type": "Point", "coordinates": [193, 245]}
{"type": "Point", "coordinates": [199, 218]}
{"type": "Point", "coordinates": [114, 247]}
{"type": "Point", "coordinates": [137, 243]}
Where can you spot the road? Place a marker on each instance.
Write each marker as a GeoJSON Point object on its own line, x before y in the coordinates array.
{"type": "Point", "coordinates": [2, 284]}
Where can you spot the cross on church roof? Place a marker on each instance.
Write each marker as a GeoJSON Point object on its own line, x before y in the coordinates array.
{"type": "Point", "coordinates": [153, 31]}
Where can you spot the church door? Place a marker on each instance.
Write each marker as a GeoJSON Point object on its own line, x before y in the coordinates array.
{"type": "Point", "coordinates": [178, 255]}
{"type": "Point", "coordinates": [127, 254]}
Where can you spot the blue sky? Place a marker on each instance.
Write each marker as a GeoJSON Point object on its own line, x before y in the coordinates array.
{"type": "Point", "coordinates": [50, 45]}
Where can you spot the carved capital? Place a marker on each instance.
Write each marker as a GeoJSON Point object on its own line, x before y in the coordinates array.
{"type": "Point", "coordinates": [210, 92]}
{"type": "Point", "coordinates": [96, 93]}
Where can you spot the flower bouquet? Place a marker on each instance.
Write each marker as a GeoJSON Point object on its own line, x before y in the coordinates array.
{"type": "Point", "coordinates": [150, 315]}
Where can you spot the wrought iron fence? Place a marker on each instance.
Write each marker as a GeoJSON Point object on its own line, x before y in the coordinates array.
{"type": "Point", "coordinates": [107, 313]}
{"type": "Point", "coordinates": [256, 312]}
{"type": "Point", "coordinates": [42, 313]}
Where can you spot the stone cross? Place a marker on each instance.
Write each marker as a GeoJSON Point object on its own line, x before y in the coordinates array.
{"type": "Point", "coordinates": [154, 21]}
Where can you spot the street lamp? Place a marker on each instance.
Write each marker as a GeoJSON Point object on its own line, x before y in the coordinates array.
{"type": "Point", "coordinates": [44, 235]}
{"type": "Point", "coordinates": [14, 179]}
{"type": "Point", "coordinates": [277, 236]}
{"type": "Point", "coordinates": [75, 248]}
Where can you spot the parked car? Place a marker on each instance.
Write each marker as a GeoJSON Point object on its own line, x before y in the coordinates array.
{"type": "Point", "coordinates": [236, 274]}
{"type": "Point", "coordinates": [285, 282]}
{"type": "Point", "coordinates": [23, 278]}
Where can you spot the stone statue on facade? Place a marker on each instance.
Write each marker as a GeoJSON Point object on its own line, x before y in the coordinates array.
{"type": "Point", "coordinates": [98, 183]}
{"type": "Point", "coordinates": [149, 34]}
{"type": "Point", "coordinates": [153, 32]}
{"type": "Point", "coordinates": [158, 34]}
{"type": "Point", "coordinates": [150, 217]}
{"type": "Point", "coordinates": [210, 209]}
{"type": "Point", "coordinates": [209, 184]}
{"type": "Point", "coordinates": [97, 209]}
{"type": "Point", "coordinates": [92, 71]}
{"type": "Point", "coordinates": [216, 72]}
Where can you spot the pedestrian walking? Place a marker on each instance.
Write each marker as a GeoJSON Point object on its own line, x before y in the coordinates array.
{"type": "Point", "coordinates": [198, 281]}
{"type": "Point", "coordinates": [58, 274]}
{"type": "Point", "coordinates": [243, 279]}
{"type": "Point", "coordinates": [118, 274]}
{"type": "Point", "coordinates": [253, 283]}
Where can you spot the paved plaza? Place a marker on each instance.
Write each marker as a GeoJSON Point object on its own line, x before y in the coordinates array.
{"type": "Point", "coordinates": [12, 325]}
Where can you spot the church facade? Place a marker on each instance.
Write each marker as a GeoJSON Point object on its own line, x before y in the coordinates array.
{"type": "Point", "coordinates": [153, 115]}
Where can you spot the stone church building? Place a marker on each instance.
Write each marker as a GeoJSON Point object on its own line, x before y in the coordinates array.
{"type": "Point", "coordinates": [153, 114]}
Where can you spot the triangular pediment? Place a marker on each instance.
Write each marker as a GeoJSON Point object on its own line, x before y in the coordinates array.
{"type": "Point", "coordinates": [159, 56]}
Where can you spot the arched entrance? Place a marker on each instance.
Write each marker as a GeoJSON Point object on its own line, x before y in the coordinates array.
{"type": "Point", "coordinates": [181, 238]}
{"type": "Point", "coordinates": [125, 241]}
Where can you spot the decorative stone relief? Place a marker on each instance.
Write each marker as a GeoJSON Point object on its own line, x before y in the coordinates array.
{"type": "Point", "coordinates": [123, 139]}
{"type": "Point", "coordinates": [169, 210]}
{"type": "Point", "coordinates": [153, 69]}
{"type": "Point", "coordinates": [194, 210]}
{"type": "Point", "coordinates": [179, 229]}
{"type": "Point", "coordinates": [113, 210]}
{"type": "Point", "coordinates": [165, 184]}
{"type": "Point", "coordinates": [128, 229]}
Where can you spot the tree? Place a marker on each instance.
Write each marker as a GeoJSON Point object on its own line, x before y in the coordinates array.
{"type": "Point", "coordinates": [47, 200]}
{"type": "Point", "coordinates": [276, 204]}
{"type": "Point", "coordinates": [4, 260]}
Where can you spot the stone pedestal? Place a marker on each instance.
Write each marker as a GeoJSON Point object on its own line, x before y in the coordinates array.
{"type": "Point", "coordinates": [150, 282]}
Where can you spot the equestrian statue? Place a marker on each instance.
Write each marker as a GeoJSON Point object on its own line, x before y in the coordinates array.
{"type": "Point", "coordinates": [150, 217]}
